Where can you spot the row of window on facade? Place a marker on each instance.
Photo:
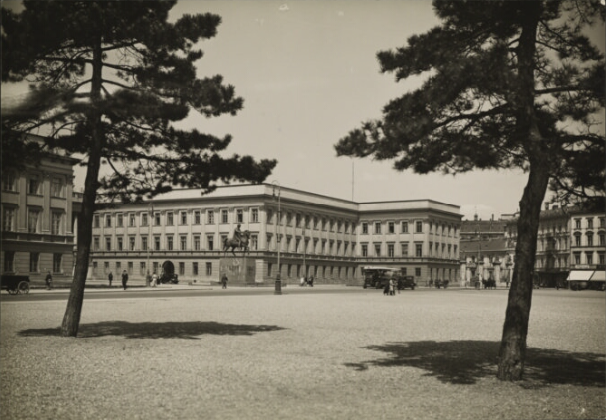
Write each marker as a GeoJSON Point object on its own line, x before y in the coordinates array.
{"type": "Point", "coordinates": [321, 247]}
{"type": "Point", "coordinates": [34, 218]}
{"type": "Point", "coordinates": [35, 185]}
{"type": "Point", "coordinates": [34, 262]}
{"type": "Point", "coordinates": [436, 249]}
{"type": "Point", "coordinates": [440, 229]}
{"type": "Point", "coordinates": [562, 243]}
{"type": "Point", "coordinates": [579, 258]}
{"type": "Point", "coordinates": [306, 222]}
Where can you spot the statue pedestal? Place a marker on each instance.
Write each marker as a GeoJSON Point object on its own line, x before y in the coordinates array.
{"type": "Point", "coordinates": [239, 270]}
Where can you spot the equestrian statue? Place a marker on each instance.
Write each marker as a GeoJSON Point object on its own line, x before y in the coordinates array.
{"type": "Point", "coordinates": [238, 240]}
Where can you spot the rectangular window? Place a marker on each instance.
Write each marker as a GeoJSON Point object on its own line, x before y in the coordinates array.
{"type": "Point", "coordinates": [377, 250]}
{"type": "Point", "coordinates": [144, 219]}
{"type": "Point", "coordinates": [183, 241]}
{"type": "Point", "coordinates": [209, 269]}
{"type": "Point", "coordinates": [590, 239]}
{"type": "Point", "coordinates": [96, 243]}
{"type": "Point", "coordinates": [57, 263]}
{"type": "Point", "coordinates": [183, 216]}
{"type": "Point", "coordinates": [169, 243]}
{"type": "Point", "coordinates": [210, 217]}
{"type": "Point", "coordinates": [377, 227]}
{"type": "Point", "coordinates": [120, 243]}
{"type": "Point", "coordinates": [8, 219]}
{"type": "Point", "coordinates": [404, 248]}
{"type": "Point", "coordinates": [131, 220]}
{"type": "Point", "coordinates": [108, 220]}
{"type": "Point", "coordinates": [404, 269]}
{"type": "Point", "coordinates": [419, 227]}
{"type": "Point", "coordinates": [155, 267]}
{"type": "Point", "coordinates": [197, 243]}
{"type": "Point", "coordinates": [34, 258]}
{"type": "Point", "coordinates": [589, 223]}
{"type": "Point", "coordinates": [364, 250]}
{"type": "Point", "coordinates": [589, 258]}
{"type": "Point", "coordinates": [9, 181]}
{"type": "Point", "coordinates": [181, 268]}
{"type": "Point", "coordinates": [108, 243]}
{"type": "Point", "coordinates": [142, 268]}
{"type": "Point", "coordinates": [34, 186]}
{"type": "Point", "coordinates": [364, 228]}
{"type": "Point", "coordinates": [194, 269]}
{"type": "Point", "coordinates": [95, 268]}
{"type": "Point", "coordinates": [130, 267]}
{"type": "Point", "coordinates": [390, 250]}
{"type": "Point", "coordinates": [239, 216]}
{"type": "Point", "coordinates": [601, 258]}
{"type": "Point", "coordinates": [254, 239]}
{"type": "Point", "coordinates": [120, 220]}
{"type": "Point", "coordinates": [33, 220]}
{"type": "Point", "coordinates": [577, 258]}
{"type": "Point", "coordinates": [56, 217]}
{"type": "Point", "coordinates": [210, 240]}
{"type": "Point", "coordinates": [169, 219]}
{"type": "Point", "coordinates": [118, 267]}
{"type": "Point", "coordinates": [131, 243]}
{"type": "Point", "coordinates": [9, 261]}
{"type": "Point", "coordinates": [418, 271]}
{"type": "Point", "coordinates": [391, 227]}
{"type": "Point", "coordinates": [156, 243]}
{"type": "Point", "coordinates": [577, 223]}
{"type": "Point", "coordinates": [144, 243]}
{"type": "Point", "coordinates": [254, 215]}
{"type": "Point", "coordinates": [224, 218]}
{"type": "Point", "coordinates": [418, 250]}
{"type": "Point", "coordinates": [57, 188]}
{"type": "Point", "coordinates": [197, 217]}
{"type": "Point", "coordinates": [96, 221]}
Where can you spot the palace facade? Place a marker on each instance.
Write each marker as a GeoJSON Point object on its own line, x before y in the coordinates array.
{"type": "Point", "coordinates": [38, 213]}
{"type": "Point", "coordinates": [182, 232]}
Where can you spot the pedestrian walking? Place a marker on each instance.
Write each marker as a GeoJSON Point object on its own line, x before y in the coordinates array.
{"type": "Point", "coordinates": [154, 280]}
{"type": "Point", "coordinates": [49, 280]}
{"type": "Point", "coordinates": [392, 287]}
{"type": "Point", "coordinates": [224, 281]}
{"type": "Point", "coordinates": [124, 279]}
{"type": "Point", "coordinates": [110, 277]}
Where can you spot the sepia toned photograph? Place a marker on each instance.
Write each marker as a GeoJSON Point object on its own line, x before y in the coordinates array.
{"type": "Point", "coordinates": [231, 209]}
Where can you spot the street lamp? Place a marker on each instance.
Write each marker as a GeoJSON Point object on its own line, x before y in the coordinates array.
{"type": "Point", "coordinates": [149, 237]}
{"type": "Point", "coordinates": [278, 288]}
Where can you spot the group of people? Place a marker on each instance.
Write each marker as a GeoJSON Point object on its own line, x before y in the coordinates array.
{"type": "Point", "coordinates": [391, 287]}
{"type": "Point", "coordinates": [307, 281]}
{"type": "Point", "coordinates": [110, 277]}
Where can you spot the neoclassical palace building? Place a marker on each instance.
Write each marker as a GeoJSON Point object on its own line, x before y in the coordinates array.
{"type": "Point", "coordinates": [182, 232]}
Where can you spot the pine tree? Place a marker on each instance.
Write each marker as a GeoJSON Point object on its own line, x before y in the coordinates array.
{"type": "Point", "coordinates": [508, 84]}
{"type": "Point", "coordinates": [108, 81]}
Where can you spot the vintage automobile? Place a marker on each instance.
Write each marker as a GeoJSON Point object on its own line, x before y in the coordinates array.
{"type": "Point", "coordinates": [14, 284]}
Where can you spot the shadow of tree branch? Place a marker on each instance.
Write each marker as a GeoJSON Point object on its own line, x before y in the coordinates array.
{"type": "Point", "coordinates": [466, 362]}
{"type": "Point", "coordinates": [184, 330]}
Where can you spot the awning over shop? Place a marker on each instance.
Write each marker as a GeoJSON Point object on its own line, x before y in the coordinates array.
{"type": "Point", "coordinates": [580, 275]}
{"type": "Point", "coordinates": [599, 275]}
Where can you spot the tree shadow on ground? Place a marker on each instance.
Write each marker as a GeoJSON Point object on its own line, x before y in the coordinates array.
{"type": "Point", "coordinates": [466, 362]}
{"type": "Point", "coordinates": [184, 330]}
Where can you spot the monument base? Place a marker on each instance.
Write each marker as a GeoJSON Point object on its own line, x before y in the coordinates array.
{"type": "Point", "coordinates": [239, 270]}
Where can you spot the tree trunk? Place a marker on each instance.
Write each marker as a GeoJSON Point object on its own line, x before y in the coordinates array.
{"type": "Point", "coordinates": [71, 319]}
{"type": "Point", "coordinates": [513, 342]}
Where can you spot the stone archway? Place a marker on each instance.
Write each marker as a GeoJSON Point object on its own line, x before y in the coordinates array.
{"type": "Point", "coordinates": [168, 271]}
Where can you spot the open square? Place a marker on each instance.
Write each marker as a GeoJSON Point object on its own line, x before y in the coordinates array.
{"type": "Point", "coordinates": [422, 354]}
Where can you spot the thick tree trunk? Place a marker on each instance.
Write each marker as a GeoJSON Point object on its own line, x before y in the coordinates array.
{"type": "Point", "coordinates": [513, 342]}
{"type": "Point", "coordinates": [71, 319]}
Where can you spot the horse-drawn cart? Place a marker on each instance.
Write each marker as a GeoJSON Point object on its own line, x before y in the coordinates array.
{"type": "Point", "coordinates": [15, 284]}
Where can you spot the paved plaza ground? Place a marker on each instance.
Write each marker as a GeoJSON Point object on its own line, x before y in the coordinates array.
{"type": "Point", "coordinates": [422, 354]}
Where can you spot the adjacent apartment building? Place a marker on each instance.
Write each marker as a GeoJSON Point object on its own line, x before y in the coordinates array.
{"type": "Point", "coordinates": [182, 232]}
{"type": "Point", "coordinates": [571, 245]}
{"type": "Point", "coordinates": [38, 213]}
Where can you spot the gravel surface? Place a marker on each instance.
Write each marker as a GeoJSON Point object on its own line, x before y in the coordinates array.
{"type": "Point", "coordinates": [423, 354]}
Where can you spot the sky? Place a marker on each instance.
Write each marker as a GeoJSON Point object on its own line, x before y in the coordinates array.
{"type": "Point", "coordinates": [308, 73]}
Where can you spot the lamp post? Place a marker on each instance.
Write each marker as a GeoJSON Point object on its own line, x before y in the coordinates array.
{"type": "Point", "coordinates": [149, 236]}
{"type": "Point", "coordinates": [278, 287]}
